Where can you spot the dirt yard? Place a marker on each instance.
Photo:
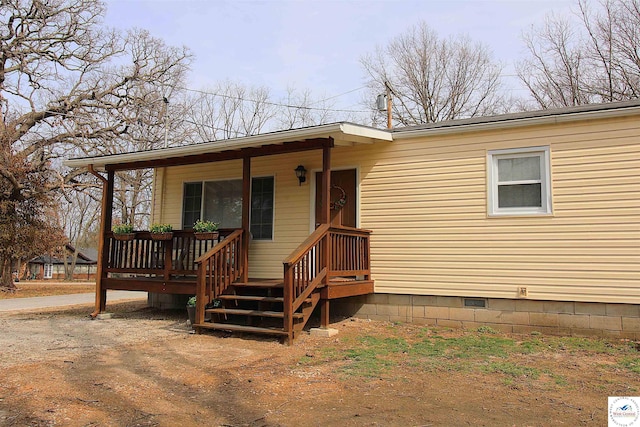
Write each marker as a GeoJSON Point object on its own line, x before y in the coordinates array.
{"type": "Point", "coordinates": [144, 368]}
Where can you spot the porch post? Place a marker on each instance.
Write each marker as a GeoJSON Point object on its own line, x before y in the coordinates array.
{"type": "Point", "coordinates": [326, 219]}
{"type": "Point", "coordinates": [326, 184]}
{"type": "Point", "coordinates": [246, 203]}
{"type": "Point", "coordinates": [103, 248]}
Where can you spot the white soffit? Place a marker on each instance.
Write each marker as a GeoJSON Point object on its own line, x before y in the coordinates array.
{"type": "Point", "coordinates": [343, 134]}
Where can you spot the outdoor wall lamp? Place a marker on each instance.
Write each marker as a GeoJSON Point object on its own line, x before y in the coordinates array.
{"type": "Point", "coordinates": [301, 173]}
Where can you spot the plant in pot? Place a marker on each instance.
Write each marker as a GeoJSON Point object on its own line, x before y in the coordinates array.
{"type": "Point", "coordinates": [161, 231]}
{"type": "Point", "coordinates": [206, 230]}
{"type": "Point", "coordinates": [191, 310]}
{"type": "Point", "coordinates": [123, 232]}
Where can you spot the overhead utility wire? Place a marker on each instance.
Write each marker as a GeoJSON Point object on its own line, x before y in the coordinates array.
{"type": "Point", "coordinates": [276, 104]}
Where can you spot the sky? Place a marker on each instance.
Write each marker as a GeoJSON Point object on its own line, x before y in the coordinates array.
{"type": "Point", "coordinates": [317, 44]}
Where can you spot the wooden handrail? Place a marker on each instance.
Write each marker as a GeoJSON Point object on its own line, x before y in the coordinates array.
{"type": "Point", "coordinates": [218, 269]}
{"type": "Point", "coordinates": [330, 251]}
{"type": "Point", "coordinates": [311, 240]}
{"type": "Point", "coordinates": [305, 269]}
{"type": "Point", "coordinates": [217, 248]}
{"type": "Point", "coordinates": [167, 258]}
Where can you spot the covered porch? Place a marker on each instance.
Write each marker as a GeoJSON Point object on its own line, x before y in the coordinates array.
{"type": "Point", "coordinates": [333, 261]}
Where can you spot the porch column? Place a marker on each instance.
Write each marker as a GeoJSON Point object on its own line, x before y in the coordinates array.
{"type": "Point", "coordinates": [326, 184]}
{"type": "Point", "coordinates": [246, 203]}
{"type": "Point", "coordinates": [103, 249]}
{"type": "Point", "coordinates": [326, 219]}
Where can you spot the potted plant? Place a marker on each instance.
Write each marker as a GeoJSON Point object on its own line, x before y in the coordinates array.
{"type": "Point", "coordinates": [161, 231]}
{"type": "Point", "coordinates": [123, 232]}
{"type": "Point", "coordinates": [191, 310]}
{"type": "Point", "coordinates": [206, 230]}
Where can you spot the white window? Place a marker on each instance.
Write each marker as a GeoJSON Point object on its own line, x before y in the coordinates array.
{"type": "Point", "coordinates": [519, 181]}
{"type": "Point", "coordinates": [48, 271]}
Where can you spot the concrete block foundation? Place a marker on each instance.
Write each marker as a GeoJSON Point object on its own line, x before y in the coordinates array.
{"type": "Point", "coordinates": [517, 316]}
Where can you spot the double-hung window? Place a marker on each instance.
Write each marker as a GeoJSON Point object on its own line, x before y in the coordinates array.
{"type": "Point", "coordinates": [221, 202]}
{"type": "Point", "coordinates": [519, 181]}
{"type": "Point", "coordinates": [48, 271]}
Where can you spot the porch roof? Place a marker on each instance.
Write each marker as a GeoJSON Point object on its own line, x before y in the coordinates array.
{"type": "Point", "coordinates": [340, 134]}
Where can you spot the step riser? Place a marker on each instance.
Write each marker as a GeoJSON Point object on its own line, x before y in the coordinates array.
{"type": "Point", "coordinates": [256, 303]}
{"type": "Point", "coordinates": [256, 313]}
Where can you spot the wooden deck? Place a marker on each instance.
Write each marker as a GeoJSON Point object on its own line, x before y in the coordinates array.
{"type": "Point", "coordinates": [187, 286]}
{"type": "Point", "coordinates": [333, 262]}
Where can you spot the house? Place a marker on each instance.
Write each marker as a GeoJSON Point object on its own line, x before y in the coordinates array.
{"type": "Point", "coordinates": [525, 222]}
{"type": "Point", "coordinates": [48, 266]}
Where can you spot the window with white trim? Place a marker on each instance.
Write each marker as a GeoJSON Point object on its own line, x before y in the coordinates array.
{"type": "Point", "coordinates": [48, 271]}
{"type": "Point", "coordinates": [519, 181]}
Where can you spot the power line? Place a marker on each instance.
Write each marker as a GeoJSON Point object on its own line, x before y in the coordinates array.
{"type": "Point", "coordinates": [277, 104]}
{"type": "Point", "coordinates": [337, 96]}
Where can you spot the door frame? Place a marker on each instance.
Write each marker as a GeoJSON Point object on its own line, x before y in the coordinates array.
{"type": "Point", "coordinates": [312, 195]}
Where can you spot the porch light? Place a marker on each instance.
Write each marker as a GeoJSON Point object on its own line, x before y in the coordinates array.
{"type": "Point", "coordinates": [301, 173]}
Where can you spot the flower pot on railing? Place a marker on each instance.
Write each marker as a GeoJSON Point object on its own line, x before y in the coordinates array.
{"type": "Point", "coordinates": [161, 232]}
{"type": "Point", "coordinates": [166, 235]}
{"type": "Point", "coordinates": [123, 232]}
{"type": "Point", "coordinates": [206, 235]}
{"type": "Point", "coordinates": [124, 236]}
{"type": "Point", "coordinates": [205, 230]}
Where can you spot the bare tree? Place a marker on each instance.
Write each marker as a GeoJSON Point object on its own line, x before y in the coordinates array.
{"type": "Point", "coordinates": [586, 58]}
{"type": "Point", "coordinates": [77, 215]}
{"type": "Point", "coordinates": [434, 79]}
{"type": "Point", "coordinates": [66, 84]}
{"type": "Point", "coordinates": [230, 110]}
{"type": "Point", "coordinates": [301, 108]}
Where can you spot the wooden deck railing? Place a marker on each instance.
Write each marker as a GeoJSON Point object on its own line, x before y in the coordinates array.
{"type": "Point", "coordinates": [217, 269]}
{"type": "Point", "coordinates": [307, 268]}
{"type": "Point", "coordinates": [350, 253]}
{"type": "Point", "coordinates": [161, 258]}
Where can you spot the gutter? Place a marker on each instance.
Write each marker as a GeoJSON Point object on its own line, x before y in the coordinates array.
{"type": "Point", "coordinates": [508, 123]}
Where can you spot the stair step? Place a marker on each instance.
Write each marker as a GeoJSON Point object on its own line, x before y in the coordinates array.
{"type": "Point", "coordinates": [251, 312]}
{"type": "Point", "coordinates": [241, 328]}
{"type": "Point", "coordinates": [232, 297]}
{"type": "Point", "coordinates": [261, 284]}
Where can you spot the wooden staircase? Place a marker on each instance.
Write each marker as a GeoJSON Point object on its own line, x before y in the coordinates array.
{"type": "Point", "coordinates": [332, 262]}
{"type": "Point", "coordinates": [256, 307]}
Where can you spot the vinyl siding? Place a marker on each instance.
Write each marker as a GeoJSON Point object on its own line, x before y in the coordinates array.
{"type": "Point", "coordinates": [291, 210]}
{"type": "Point", "coordinates": [426, 201]}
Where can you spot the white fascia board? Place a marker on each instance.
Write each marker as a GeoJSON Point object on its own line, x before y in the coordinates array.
{"type": "Point", "coordinates": [518, 122]}
{"type": "Point", "coordinates": [341, 132]}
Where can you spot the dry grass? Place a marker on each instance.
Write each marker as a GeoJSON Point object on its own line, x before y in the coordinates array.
{"type": "Point", "coordinates": [41, 289]}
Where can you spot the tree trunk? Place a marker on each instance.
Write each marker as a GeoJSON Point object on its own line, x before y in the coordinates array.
{"type": "Point", "coordinates": [6, 282]}
{"type": "Point", "coordinates": [70, 267]}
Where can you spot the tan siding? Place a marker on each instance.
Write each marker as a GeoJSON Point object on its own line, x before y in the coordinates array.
{"type": "Point", "coordinates": [425, 200]}
{"type": "Point", "coordinates": [291, 207]}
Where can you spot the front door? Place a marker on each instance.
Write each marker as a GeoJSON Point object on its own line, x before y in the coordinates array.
{"type": "Point", "coordinates": [343, 197]}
